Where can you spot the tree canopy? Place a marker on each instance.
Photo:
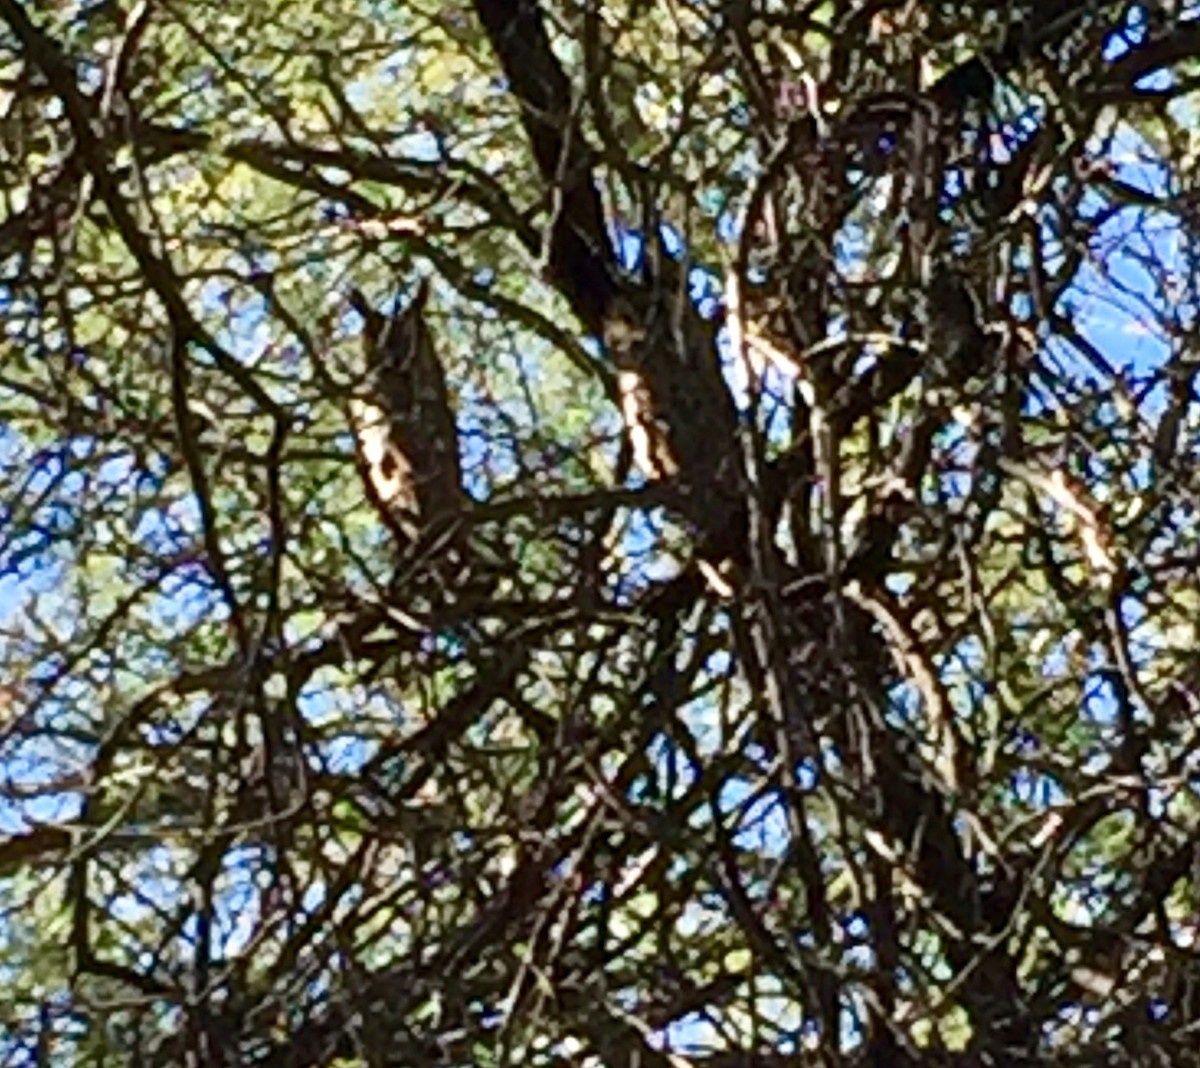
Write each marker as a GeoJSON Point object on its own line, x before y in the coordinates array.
{"type": "Point", "coordinates": [643, 533]}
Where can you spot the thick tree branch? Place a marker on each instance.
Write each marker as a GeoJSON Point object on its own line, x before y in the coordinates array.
{"type": "Point", "coordinates": [581, 257]}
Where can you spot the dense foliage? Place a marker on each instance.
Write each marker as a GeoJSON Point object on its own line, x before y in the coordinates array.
{"type": "Point", "coordinates": [654, 533]}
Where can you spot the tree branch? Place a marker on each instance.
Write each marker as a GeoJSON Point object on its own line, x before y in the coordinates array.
{"type": "Point", "coordinates": [581, 258]}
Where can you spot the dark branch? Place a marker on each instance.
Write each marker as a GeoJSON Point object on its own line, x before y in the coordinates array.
{"type": "Point", "coordinates": [581, 258]}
